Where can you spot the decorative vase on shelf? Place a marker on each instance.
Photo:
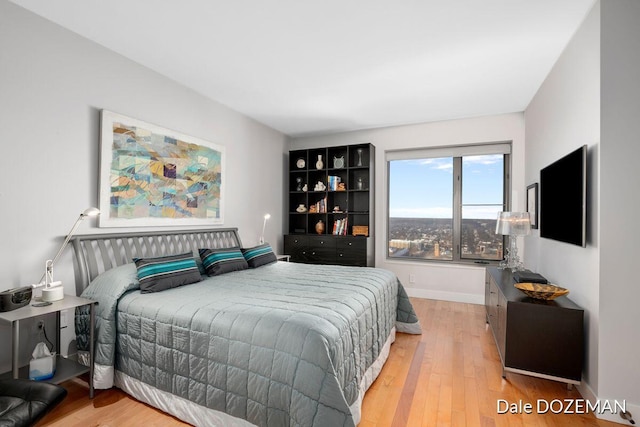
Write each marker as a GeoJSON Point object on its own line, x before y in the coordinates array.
{"type": "Point", "coordinates": [359, 151]}
{"type": "Point", "coordinates": [320, 227]}
{"type": "Point", "coordinates": [319, 164]}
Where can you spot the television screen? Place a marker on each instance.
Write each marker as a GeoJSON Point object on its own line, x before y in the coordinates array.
{"type": "Point", "coordinates": [563, 194]}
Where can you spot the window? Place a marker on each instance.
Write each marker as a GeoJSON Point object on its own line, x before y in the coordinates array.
{"type": "Point", "coordinates": [443, 203]}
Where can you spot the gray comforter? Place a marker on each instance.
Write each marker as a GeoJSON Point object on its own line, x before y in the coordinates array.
{"type": "Point", "coordinates": [283, 344]}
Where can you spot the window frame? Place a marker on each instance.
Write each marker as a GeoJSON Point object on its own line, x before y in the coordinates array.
{"type": "Point", "coordinates": [457, 153]}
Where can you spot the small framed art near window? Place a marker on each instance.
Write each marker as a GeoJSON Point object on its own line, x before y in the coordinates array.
{"type": "Point", "coordinates": [532, 204]}
{"type": "Point", "coordinates": [151, 176]}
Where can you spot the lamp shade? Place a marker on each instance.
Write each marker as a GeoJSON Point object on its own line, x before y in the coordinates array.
{"type": "Point", "coordinates": [513, 223]}
{"type": "Point", "coordinates": [91, 212]}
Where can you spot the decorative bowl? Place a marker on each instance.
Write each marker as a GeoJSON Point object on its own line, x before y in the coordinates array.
{"type": "Point", "coordinates": [541, 291]}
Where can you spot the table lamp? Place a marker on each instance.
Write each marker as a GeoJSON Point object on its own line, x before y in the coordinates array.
{"type": "Point", "coordinates": [53, 290]}
{"type": "Point", "coordinates": [513, 224]}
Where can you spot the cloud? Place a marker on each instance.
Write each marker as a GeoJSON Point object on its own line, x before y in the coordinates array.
{"type": "Point", "coordinates": [444, 164]}
{"type": "Point", "coordinates": [489, 159]}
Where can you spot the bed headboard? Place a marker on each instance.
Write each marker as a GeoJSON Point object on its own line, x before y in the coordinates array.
{"type": "Point", "coordinates": [96, 253]}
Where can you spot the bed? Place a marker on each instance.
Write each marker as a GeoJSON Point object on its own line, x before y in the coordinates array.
{"type": "Point", "coordinates": [276, 344]}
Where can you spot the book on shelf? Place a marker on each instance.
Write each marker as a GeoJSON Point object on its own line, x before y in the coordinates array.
{"type": "Point", "coordinates": [319, 207]}
{"type": "Point", "coordinates": [340, 227]}
{"type": "Point", "coordinates": [333, 182]}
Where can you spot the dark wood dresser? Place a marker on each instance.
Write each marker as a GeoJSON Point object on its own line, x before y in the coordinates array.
{"type": "Point", "coordinates": [323, 249]}
{"type": "Point", "coordinates": [534, 337]}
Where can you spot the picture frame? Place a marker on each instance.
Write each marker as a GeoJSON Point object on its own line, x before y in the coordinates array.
{"type": "Point", "coordinates": [532, 204]}
{"type": "Point", "coordinates": [153, 176]}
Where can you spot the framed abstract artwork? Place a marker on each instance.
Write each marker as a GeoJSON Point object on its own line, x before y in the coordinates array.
{"type": "Point", "coordinates": [532, 204]}
{"type": "Point", "coordinates": [152, 176]}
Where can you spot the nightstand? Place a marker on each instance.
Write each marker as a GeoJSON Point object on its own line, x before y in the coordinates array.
{"type": "Point", "coordinates": [284, 258]}
{"type": "Point", "coordinates": [65, 368]}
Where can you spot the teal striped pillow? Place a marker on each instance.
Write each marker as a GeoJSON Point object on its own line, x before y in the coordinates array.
{"type": "Point", "coordinates": [220, 261]}
{"type": "Point", "coordinates": [161, 273]}
{"type": "Point", "coordinates": [259, 255]}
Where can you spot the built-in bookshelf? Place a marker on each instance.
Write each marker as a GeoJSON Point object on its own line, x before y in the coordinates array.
{"type": "Point", "coordinates": [332, 186]}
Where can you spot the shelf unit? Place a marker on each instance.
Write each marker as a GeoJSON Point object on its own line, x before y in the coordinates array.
{"type": "Point", "coordinates": [352, 165]}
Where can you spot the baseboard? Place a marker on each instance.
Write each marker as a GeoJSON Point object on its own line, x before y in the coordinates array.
{"type": "Point", "coordinates": [614, 415]}
{"type": "Point", "coordinates": [445, 296]}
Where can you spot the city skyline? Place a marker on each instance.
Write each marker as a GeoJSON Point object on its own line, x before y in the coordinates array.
{"type": "Point", "coordinates": [432, 238]}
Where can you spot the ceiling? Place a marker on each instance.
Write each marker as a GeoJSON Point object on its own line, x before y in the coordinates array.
{"type": "Point", "coordinates": [315, 67]}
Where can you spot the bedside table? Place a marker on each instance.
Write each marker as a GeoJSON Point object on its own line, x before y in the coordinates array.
{"type": "Point", "coordinates": [284, 258]}
{"type": "Point", "coordinates": [65, 368]}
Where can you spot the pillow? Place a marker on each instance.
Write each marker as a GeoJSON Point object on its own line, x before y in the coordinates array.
{"type": "Point", "coordinates": [259, 255]}
{"type": "Point", "coordinates": [161, 273]}
{"type": "Point", "coordinates": [220, 261]}
{"type": "Point", "coordinates": [106, 289]}
{"type": "Point", "coordinates": [201, 269]}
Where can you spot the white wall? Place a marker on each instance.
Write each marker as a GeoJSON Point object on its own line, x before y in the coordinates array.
{"type": "Point", "coordinates": [563, 115]}
{"type": "Point", "coordinates": [619, 373]}
{"type": "Point", "coordinates": [463, 283]}
{"type": "Point", "coordinates": [53, 84]}
{"type": "Point", "coordinates": [592, 96]}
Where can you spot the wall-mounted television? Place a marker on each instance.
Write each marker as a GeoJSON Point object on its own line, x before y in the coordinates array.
{"type": "Point", "coordinates": [563, 199]}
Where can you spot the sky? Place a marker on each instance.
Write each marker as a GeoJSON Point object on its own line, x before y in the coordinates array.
{"type": "Point", "coordinates": [423, 188]}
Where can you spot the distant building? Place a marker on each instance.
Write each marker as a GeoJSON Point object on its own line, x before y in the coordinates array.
{"type": "Point", "coordinates": [402, 244]}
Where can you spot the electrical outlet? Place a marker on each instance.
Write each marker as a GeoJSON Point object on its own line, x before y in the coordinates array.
{"type": "Point", "coordinates": [412, 278]}
{"type": "Point", "coordinates": [38, 326]}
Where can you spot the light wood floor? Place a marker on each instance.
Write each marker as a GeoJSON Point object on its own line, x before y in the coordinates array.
{"type": "Point", "coordinates": [448, 376]}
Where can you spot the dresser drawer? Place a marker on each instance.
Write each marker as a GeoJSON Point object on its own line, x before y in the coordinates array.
{"type": "Point", "coordinates": [351, 251]}
{"type": "Point", "coordinates": [322, 250]}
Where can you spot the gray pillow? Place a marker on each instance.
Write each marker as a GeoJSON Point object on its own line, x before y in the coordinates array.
{"type": "Point", "coordinates": [161, 273]}
{"type": "Point", "coordinates": [220, 261]}
{"type": "Point", "coordinates": [259, 255]}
